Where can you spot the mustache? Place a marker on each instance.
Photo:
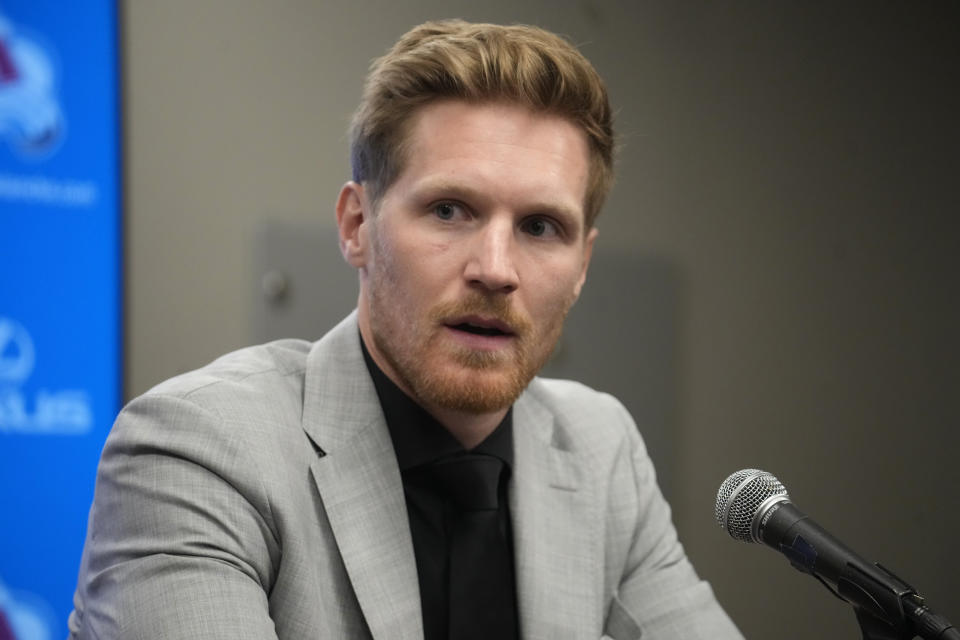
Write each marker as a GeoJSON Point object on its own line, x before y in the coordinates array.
{"type": "Point", "coordinates": [487, 306]}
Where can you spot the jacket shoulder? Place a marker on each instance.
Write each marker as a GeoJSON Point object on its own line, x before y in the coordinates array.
{"type": "Point", "coordinates": [252, 373]}
{"type": "Point", "coordinates": [584, 418]}
{"type": "Point", "coordinates": [245, 405]}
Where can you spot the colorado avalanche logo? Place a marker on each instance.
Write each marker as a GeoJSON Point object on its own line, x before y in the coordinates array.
{"type": "Point", "coordinates": [31, 121]}
{"type": "Point", "coordinates": [16, 353]}
{"type": "Point", "coordinates": [24, 616]}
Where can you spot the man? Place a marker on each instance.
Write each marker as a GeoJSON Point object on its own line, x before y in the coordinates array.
{"type": "Point", "coordinates": [407, 476]}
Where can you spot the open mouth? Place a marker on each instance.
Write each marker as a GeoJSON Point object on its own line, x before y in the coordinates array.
{"type": "Point", "coordinates": [481, 326]}
{"type": "Point", "coordinates": [479, 330]}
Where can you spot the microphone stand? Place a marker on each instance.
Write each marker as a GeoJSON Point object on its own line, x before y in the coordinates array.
{"type": "Point", "coordinates": [894, 611]}
{"type": "Point", "coordinates": [874, 628]}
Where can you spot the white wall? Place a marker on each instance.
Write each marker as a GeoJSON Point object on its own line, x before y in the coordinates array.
{"type": "Point", "coordinates": [796, 166]}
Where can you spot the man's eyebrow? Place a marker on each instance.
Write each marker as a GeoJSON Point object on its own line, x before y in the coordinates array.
{"type": "Point", "coordinates": [448, 189]}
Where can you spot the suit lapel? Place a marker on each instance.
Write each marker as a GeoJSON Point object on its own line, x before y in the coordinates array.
{"type": "Point", "coordinates": [360, 485]}
{"type": "Point", "coordinates": [557, 518]}
{"type": "Point", "coordinates": [557, 523]}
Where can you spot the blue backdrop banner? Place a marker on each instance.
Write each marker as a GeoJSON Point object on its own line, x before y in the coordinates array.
{"type": "Point", "coordinates": [60, 331]}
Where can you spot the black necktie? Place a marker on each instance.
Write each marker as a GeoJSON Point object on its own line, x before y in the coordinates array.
{"type": "Point", "coordinates": [482, 601]}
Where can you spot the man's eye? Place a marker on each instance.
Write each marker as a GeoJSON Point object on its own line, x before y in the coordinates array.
{"type": "Point", "coordinates": [540, 227]}
{"type": "Point", "coordinates": [445, 210]}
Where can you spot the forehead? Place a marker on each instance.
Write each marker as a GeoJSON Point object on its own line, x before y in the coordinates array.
{"type": "Point", "coordinates": [507, 151]}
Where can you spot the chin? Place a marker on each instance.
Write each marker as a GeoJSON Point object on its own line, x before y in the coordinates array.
{"type": "Point", "coordinates": [474, 391]}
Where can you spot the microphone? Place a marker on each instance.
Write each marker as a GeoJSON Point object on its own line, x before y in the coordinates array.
{"type": "Point", "coordinates": [753, 506]}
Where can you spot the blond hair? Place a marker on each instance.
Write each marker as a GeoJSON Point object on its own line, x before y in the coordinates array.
{"type": "Point", "coordinates": [478, 63]}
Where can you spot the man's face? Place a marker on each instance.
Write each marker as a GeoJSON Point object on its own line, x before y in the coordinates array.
{"type": "Point", "coordinates": [475, 254]}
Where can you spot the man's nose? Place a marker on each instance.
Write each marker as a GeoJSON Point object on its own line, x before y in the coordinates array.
{"type": "Point", "coordinates": [492, 261]}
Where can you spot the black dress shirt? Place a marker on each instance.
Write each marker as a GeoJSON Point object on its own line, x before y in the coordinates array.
{"type": "Point", "coordinates": [419, 441]}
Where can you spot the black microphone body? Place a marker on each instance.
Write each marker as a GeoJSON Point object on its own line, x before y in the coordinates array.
{"type": "Point", "coordinates": [869, 587]}
{"type": "Point", "coordinates": [812, 550]}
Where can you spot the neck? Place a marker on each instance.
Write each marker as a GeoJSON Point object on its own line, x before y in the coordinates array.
{"type": "Point", "coordinates": [470, 429]}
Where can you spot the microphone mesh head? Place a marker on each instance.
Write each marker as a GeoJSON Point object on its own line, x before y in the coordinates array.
{"type": "Point", "coordinates": [739, 498]}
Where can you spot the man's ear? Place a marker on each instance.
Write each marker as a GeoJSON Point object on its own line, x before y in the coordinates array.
{"type": "Point", "coordinates": [352, 221]}
{"type": "Point", "coordinates": [587, 254]}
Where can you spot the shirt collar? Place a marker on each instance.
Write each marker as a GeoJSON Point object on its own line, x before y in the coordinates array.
{"type": "Point", "coordinates": [418, 438]}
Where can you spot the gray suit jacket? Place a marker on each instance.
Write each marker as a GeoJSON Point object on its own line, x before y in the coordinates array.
{"type": "Point", "coordinates": [259, 497]}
